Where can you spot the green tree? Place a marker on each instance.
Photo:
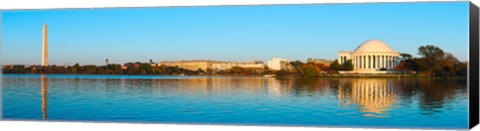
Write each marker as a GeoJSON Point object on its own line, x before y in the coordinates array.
{"type": "Point", "coordinates": [170, 70]}
{"type": "Point", "coordinates": [347, 65]}
{"type": "Point", "coordinates": [75, 68]}
{"type": "Point", "coordinates": [145, 68]}
{"type": "Point", "coordinates": [405, 56]}
{"type": "Point", "coordinates": [335, 66]}
{"type": "Point", "coordinates": [89, 69]}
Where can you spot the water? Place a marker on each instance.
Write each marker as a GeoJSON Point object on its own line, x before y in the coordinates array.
{"type": "Point", "coordinates": [333, 102]}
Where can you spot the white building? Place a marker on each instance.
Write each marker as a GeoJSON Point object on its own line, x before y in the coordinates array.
{"type": "Point", "coordinates": [372, 56]}
{"type": "Point", "coordinates": [228, 65]}
{"type": "Point", "coordinates": [278, 64]}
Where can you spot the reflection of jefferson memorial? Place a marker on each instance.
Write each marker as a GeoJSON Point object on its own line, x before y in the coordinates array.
{"type": "Point", "coordinates": [372, 56]}
{"type": "Point", "coordinates": [373, 96]}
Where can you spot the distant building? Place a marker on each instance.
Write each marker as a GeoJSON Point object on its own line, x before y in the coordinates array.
{"type": "Point", "coordinates": [278, 64]}
{"type": "Point", "coordinates": [212, 65]}
{"type": "Point", "coordinates": [228, 65]}
{"type": "Point", "coordinates": [320, 61]}
{"type": "Point", "coordinates": [372, 56]}
{"type": "Point", "coordinates": [190, 64]}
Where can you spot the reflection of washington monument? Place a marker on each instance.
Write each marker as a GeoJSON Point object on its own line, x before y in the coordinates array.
{"type": "Point", "coordinates": [44, 96]}
{"type": "Point", "coordinates": [373, 96]}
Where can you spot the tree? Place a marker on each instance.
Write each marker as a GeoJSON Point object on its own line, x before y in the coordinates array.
{"type": "Point", "coordinates": [335, 66]}
{"type": "Point", "coordinates": [436, 62]}
{"type": "Point", "coordinates": [448, 63]}
{"type": "Point", "coordinates": [432, 58]}
{"type": "Point", "coordinates": [89, 69]}
{"type": "Point", "coordinates": [169, 70]}
{"type": "Point", "coordinates": [296, 65]}
{"type": "Point", "coordinates": [404, 67]}
{"type": "Point", "coordinates": [309, 70]}
{"type": "Point", "coordinates": [431, 52]}
{"type": "Point", "coordinates": [405, 56]}
{"type": "Point", "coordinates": [199, 70]}
{"type": "Point", "coordinates": [461, 69]}
{"type": "Point", "coordinates": [209, 71]}
{"type": "Point", "coordinates": [118, 69]}
{"type": "Point", "coordinates": [323, 67]}
{"type": "Point", "coordinates": [347, 66]}
{"type": "Point", "coordinates": [75, 68]}
{"type": "Point", "coordinates": [145, 68]}
{"type": "Point", "coordinates": [236, 69]}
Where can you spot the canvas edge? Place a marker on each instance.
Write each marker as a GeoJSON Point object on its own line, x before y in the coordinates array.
{"type": "Point", "coordinates": [473, 70]}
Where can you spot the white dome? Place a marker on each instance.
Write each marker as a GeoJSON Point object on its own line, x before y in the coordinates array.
{"type": "Point", "coordinates": [373, 46]}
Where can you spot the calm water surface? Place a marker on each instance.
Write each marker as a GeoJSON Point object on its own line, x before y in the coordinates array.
{"type": "Point", "coordinates": [354, 102]}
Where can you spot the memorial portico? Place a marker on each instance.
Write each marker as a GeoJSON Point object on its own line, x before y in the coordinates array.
{"type": "Point", "coordinates": [372, 56]}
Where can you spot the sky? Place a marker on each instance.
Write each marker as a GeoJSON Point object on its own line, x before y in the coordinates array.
{"type": "Point", "coordinates": [229, 33]}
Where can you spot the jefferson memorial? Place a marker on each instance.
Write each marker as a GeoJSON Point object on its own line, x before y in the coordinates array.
{"type": "Point", "coordinates": [372, 56]}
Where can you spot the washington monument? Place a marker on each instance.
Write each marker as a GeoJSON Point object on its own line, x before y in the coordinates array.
{"type": "Point", "coordinates": [45, 46]}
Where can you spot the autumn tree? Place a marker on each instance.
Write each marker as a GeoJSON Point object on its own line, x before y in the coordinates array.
{"type": "Point", "coordinates": [309, 70]}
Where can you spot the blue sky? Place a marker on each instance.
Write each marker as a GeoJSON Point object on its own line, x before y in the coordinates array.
{"type": "Point", "coordinates": [233, 33]}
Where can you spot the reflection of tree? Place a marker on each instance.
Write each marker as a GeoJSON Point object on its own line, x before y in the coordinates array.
{"type": "Point", "coordinates": [344, 91]}
{"type": "Point", "coordinates": [406, 89]}
{"type": "Point", "coordinates": [373, 96]}
{"type": "Point", "coordinates": [310, 86]}
{"type": "Point", "coordinates": [432, 94]}
{"type": "Point", "coordinates": [44, 96]}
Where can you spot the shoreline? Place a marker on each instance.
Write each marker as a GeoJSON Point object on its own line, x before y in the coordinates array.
{"type": "Point", "coordinates": [280, 77]}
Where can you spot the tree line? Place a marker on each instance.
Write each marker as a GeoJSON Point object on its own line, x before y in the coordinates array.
{"type": "Point", "coordinates": [130, 68]}
{"type": "Point", "coordinates": [433, 61]}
